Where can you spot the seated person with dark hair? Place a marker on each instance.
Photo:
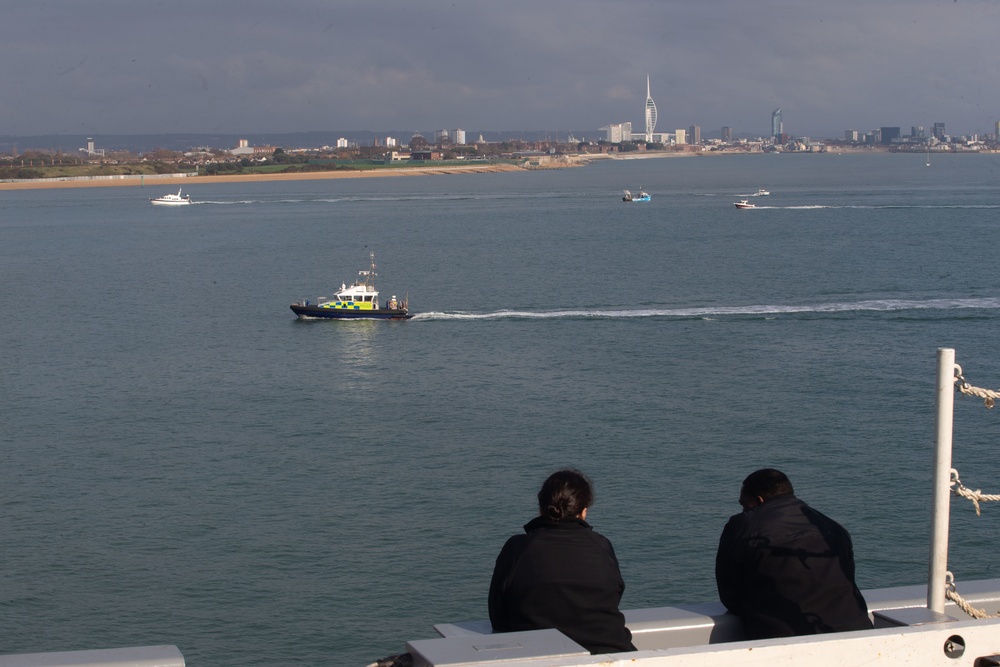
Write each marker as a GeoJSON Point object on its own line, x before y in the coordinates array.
{"type": "Point", "coordinates": [561, 573]}
{"type": "Point", "coordinates": [784, 568]}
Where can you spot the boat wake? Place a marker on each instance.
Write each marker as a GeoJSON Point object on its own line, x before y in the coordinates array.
{"type": "Point", "coordinates": [401, 198]}
{"type": "Point", "coordinates": [873, 306]}
{"type": "Point", "coordinates": [807, 207]}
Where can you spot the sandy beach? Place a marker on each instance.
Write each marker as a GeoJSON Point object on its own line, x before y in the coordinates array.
{"type": "Point", "coordinates": [173, 179]}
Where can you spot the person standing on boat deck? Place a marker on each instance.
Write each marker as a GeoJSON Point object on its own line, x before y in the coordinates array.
{"type": "Point", "coordinates": [561, 573]}
{"type": "Point", "coordinates": [784, 568]}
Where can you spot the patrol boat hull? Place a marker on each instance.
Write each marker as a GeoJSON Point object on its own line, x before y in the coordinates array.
{"type": "Point", "coordinates": [311, 310]}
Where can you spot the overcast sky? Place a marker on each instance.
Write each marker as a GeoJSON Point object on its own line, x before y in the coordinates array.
{"type": "Point", "coordinates": [256, 66]}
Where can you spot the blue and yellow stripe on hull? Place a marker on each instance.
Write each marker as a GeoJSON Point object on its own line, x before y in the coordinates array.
{"type": "Point", "coordinates": [331, 313]}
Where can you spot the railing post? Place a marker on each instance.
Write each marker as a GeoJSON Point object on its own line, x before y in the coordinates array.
{"type": "Point", "coordinates": [945, 404]}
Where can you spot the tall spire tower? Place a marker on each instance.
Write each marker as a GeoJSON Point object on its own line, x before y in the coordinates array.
{"type": "Point", "coordinates": [650, 113]}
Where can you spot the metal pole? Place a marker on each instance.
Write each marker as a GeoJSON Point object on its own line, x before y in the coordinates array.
{"type": "Point", "coordinates": [942, 479]}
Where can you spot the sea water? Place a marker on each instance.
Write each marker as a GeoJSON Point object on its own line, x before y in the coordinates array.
{"type": "Point", "coordinates": [184, 462]}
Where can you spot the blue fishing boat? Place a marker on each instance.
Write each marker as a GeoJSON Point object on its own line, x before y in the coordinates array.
{"type": "Point", "coordinates": [642, 196]}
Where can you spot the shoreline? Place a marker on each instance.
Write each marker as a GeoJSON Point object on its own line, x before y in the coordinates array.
{"type": "Point", "coordinates": [183, 179]}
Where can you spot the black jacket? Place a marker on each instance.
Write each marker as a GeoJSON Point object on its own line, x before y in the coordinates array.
{"type": "Point", "coordinates": [788, 570]}
{"type": "Point", "coordinates": [561, 575]}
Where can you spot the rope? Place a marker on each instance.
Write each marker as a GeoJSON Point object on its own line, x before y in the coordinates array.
{"type": "Point", "coordinates": [989, 396]}
{"type": "Point", "coordinates": [976, 496]}
{"type": "Point", "coordinates": [952, 594]}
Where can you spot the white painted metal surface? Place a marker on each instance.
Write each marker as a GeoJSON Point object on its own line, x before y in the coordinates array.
{"type": "Point", "coordinates": [945, 404]}
{"type": "Point", "coordinates": [137, 656]}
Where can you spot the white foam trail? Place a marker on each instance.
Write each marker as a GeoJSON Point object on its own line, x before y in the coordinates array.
{"type": "Point", "coordinates": [875, 305]}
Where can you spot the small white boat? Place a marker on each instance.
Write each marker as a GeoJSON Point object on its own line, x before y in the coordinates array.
{"type": "Point", "coordinates": [761, 193]}
{"type": "Point", "coordinates": [743, 203]}
{"type": "Point", "coordinates": [172, 199]}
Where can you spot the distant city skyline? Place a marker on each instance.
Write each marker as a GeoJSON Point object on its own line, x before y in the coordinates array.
{"type": "Point", "coordinates": [106, 67]}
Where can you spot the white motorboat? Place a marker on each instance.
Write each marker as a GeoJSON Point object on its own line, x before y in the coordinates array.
{"type": "Point", "coordinates": [761, 193]}
{"type": "Point", "coordinates": [743, 203]}
{"type": "Point", "coordinates": [172, 199]}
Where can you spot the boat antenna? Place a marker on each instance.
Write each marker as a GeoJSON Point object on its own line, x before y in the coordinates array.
{"type": "Point", "coordinates": [370, 277]}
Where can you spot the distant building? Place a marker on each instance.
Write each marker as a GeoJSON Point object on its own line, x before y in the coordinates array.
{"type": "Point", "coordinates": [91, 150]}
{"type": "Point", "coordinates": [390, 142]}
{"type": "Point", "coordinates": [727, 134]}
{"type": "Point", "coordinates": [680, 137]}
{"type": "Point", "coordinates": [917, 131]}
{"type": "Point", "coordinates": [938, 131]}
{"type": "Point", "coordinates": [851, 135]}
{"type": "Point", "coordinates": [650, 114]}
{"type": "Point", "coordinates": [457, 137]}
{"type": "Point", "coordinates": [341, 143]}
{"type": "Point", "coordinates": [777, 127]}
{"type": "Point", "coordinates": [617, 133]}
{"type": "Point", "coordinates": [694, 135]}
{"type": "Point", "coordinates": [889, 134]}
{"type": "Point", "coordinates": [244, 148]}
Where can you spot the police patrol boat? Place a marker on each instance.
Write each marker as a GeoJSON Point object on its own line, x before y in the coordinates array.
{"type": "Point", "coordinates": [357, 302]}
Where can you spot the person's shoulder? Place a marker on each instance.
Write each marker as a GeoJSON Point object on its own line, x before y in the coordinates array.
{"type": "Point", "coordinates": [515, 542]}
{"type": "Point", "coordinates": [739, 520]}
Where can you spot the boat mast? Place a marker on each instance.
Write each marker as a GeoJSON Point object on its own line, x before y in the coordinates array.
{"type": "Point", "coordinates": [370, 273]}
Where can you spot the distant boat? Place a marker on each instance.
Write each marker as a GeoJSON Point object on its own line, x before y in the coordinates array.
{"type": "Point", "coordinates": [642, 196]}
{"type": "Point", "coordinates": [743, 203]}
{"type": "Point", "coordinates": [761, 193]}
{"type": "Point", "coordinates": [172, 199]}
{"type": "Point", "coordinates": [928, 157]}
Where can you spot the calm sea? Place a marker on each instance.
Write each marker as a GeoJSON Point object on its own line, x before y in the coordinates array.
{"type": "Point", "coordinates": [184, 462]}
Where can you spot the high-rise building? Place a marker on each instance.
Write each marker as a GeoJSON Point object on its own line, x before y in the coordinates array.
{"type": "Point", "coordinates": [727, 134]}
{"type": "Point", "coordinates": [618, 132]}
{"type": "Point", "coordinates": [777, 127]}
{"type": "Point", "coordinates": [938, 131]}
{"type": "Point", "coordinates": [694, 135]}
{"type": "Point", "coordinates": [888, 134]}
{"type": "Point", "coordinates": [457, 137]}
{"type": "Point", "coordinates": [650, 113]}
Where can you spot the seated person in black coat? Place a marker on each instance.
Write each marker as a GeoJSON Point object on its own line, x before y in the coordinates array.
{"type": "Point", "coordinates": [561, 573]}
{"type": "Point", "coordinates": [784, 568]}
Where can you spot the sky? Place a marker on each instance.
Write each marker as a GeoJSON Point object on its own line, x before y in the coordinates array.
{"type": "Point", "coordinates": [107, 67]}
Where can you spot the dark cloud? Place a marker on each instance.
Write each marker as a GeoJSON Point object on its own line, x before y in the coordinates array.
{"type": "Point", "coordinates": [127, 66]}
